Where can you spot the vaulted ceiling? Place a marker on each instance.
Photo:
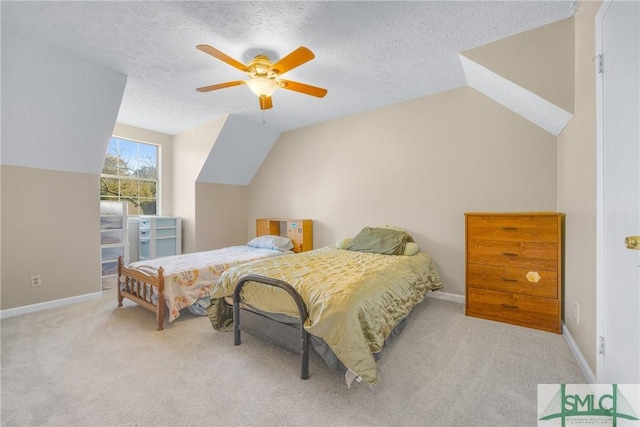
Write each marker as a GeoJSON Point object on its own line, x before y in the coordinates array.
{"type": "Point", "coordinates": [368, 54]}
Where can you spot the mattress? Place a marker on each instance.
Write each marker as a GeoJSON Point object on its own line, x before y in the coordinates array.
{"type": "Point", "coordinates": [354, 300]}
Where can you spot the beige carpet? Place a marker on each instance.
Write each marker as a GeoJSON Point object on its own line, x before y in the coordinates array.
{"type": "Point", "coordinates": [93, 364]}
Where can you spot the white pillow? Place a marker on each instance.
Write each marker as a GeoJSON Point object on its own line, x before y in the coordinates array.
{"type": "Point", "coordinates": [342, 243]}
{"type": "Point", "coordinates": [411, 248]}
{"type": "Point", "coordinates": [279, 243]}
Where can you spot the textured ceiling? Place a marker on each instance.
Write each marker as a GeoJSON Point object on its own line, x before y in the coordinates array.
{"type": "Point", "coordinates": [368, 54]}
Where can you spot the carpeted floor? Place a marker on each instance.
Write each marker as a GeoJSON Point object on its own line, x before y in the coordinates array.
{"type": "Point", "coordinates": [93, 364]}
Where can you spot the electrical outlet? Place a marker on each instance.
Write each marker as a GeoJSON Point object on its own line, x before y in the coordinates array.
{"type": "Point", "coordinates": [36, 280]}
{"type": "Point", "coordinates": [576, 313]}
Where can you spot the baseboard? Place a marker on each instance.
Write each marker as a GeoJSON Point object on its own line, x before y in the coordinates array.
{"type": "Point", "coordinates": [446, 296]}
{"type": "Point", "coordinates": [10, 312]}
{"type": "Point", "coordinates": [582, 362]}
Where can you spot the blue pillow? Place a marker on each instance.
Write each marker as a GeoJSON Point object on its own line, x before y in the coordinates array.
{"type": "Point", "coordinates": [278, 243]}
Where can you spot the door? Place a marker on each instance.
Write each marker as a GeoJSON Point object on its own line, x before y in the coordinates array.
{"type": "Point", "coordinates": [620, 162]}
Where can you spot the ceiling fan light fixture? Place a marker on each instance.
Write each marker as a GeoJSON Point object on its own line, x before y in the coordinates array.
{"type": "Point", "coordinates": [262, 86]}
{"type": "Point", "coordinates": [264, 76]}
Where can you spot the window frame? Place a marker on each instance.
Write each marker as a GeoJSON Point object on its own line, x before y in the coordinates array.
{"type": "Point", "coordinates": [157, 181]}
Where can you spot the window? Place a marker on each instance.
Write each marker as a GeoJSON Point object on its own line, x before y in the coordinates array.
{"type": "Point", "coordinates": [130, 174]}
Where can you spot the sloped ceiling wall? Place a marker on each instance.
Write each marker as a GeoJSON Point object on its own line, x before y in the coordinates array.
{"type": "Point", "coordinates": [531, 73]}
{"type": "Point", "coordinates": [58, 111]}
{"type": "Point", "coordinates": [225, 152]}
{"type": "Point", "coordinates": [238, 152]}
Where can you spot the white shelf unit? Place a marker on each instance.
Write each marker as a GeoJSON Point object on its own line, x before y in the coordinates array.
{"type": "Point", "coordinates": [113, 239]}
{"type": "Point", "coordinates": [159, 236]}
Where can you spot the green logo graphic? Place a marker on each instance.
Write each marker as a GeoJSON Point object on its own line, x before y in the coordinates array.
{"type": "Point", "coordinates": [613, 406]}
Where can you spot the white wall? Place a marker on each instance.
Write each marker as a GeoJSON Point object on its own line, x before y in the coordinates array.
{"type": "Point", "coordinates": [57, 116]}
{"type": "Point", "coordinates": [58, 111]}
{"type": "Point", "coordinates": [238, 152]}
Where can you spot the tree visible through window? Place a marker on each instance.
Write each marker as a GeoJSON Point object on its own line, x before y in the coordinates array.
{"type": "Point", "coordinates": [130, 174]}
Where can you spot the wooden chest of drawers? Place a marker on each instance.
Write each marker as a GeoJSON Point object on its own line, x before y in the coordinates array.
{"type": "Point", "coordinates": [514, 268]}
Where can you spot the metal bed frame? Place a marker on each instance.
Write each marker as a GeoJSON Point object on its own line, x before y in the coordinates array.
{"type": "Point", "coordinates": [290, 336]}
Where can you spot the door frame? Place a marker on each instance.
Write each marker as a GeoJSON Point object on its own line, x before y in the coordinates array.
{"type": "Point", "coordinates": [604, 7]}
{"type": "Point", "coordinates": [600, 192]}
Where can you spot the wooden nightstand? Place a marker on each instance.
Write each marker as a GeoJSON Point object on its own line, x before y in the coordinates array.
{"type": "Point", "coordinates": [300, 231]}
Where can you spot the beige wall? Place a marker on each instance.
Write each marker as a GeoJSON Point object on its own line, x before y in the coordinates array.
{"type": "Point", "coordinates": [419, 164]}
{"type": "Point", "coordinates": [221, 215]}
{"type": "Point", "coordinates": [190, 151]}
{"type": "Point", "coordinates": [165, 205]}
{"type": "Point", "coordinates": [50, 227]}
{"type": "Point", "coordinates": [539, 60]}
{"type": "Point", "coordinates": [577, 188]}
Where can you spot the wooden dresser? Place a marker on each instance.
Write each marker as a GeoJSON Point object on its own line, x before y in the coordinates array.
{"type": "Point", "coordinates": [514, 265]}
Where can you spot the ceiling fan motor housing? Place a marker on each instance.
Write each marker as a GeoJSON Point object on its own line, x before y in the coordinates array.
{"type": "Point", "coordinates": [261, 67]}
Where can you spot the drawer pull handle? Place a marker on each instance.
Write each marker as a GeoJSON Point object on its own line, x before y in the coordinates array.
{"type": "Point", "coordinates": [511, 306]}
{"type": "Point", "coordinates": [509, 254]}
{"type": "Point", "coordinates": [504, 279]}
{"type": "Point", "coordinates": [509, 228]}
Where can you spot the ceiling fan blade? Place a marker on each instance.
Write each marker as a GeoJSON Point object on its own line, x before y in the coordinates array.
{"type": "Point", "coordinates": [265, 102]}
{"type": "Point", "coordinates": [303, 88]}
{"type": "Point", "coordinates": [292, 60]}
{"type": "Point", "coordinates": [223, 57]}
{"type": "Point", "coordinates": [220, 86]}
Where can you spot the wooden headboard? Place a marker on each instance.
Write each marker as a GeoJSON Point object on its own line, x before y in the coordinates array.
{"type": "Point", "coordinates": [300, 231]}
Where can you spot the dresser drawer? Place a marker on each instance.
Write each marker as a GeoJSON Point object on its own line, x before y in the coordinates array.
{"type": "Point", "coordinates": [534, 312]}
{"type": "Point", "coordinates": [526, 228]}
{"type": "Point", "coordinates": [537, 256]}
{"type": "Point", "coordinates": [514, 280]}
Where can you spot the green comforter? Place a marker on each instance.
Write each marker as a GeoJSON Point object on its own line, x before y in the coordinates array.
{"type": "Point", "coordinates": [353, 299]}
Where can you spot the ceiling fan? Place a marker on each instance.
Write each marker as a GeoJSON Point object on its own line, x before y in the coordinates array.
{"type": "Point", "coordinates": [264, 76]}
